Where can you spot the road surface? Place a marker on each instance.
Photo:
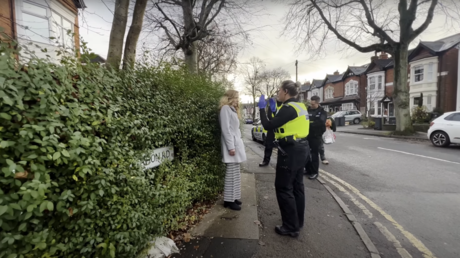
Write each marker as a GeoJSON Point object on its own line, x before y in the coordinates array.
{"type": "Point", "coordinates": [405, 194]}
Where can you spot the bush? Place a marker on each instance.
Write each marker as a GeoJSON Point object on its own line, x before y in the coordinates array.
{"type": "Point", "coordinates": [420, 115]}
{"type": "Point", "coordinates": [71, 140]}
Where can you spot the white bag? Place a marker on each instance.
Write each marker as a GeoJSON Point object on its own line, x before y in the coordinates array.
{"type": "Point", "coordinates": [163, 247]}
{"type": "Point", "coordinates": [328, 136]}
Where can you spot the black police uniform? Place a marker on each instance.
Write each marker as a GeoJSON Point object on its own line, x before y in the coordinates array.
{"type": "Point", "coordinates": [315, 136]}
{"type": "Point", "coordinates": [270, 137]}
{"type": "Point", "coordinates": [289, 171]}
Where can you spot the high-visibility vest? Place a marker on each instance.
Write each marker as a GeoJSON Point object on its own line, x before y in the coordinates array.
{"type": "Point", "coordinates": [298, 127]}
{"type": "Point", "coordinates": [274, 113]}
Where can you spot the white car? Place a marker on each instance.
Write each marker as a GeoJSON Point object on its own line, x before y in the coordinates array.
{"type": "Point", "coordinates": [445, 129]}
{"type": "Point", "coordinates": [258, 133]}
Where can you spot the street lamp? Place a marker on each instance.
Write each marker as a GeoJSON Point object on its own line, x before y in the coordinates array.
{"type": "Point", "coordinates": [296, 70]}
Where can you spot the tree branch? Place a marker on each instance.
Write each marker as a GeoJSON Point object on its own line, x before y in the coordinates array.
{"type": "Point", "coordinates": [428, 20]}
{"type": "Point", "coordinates": [374, 47]}
{"type": "Point", "coordinates": [168, 19]}
{"type": "Point", "coordinates": [378, 30]}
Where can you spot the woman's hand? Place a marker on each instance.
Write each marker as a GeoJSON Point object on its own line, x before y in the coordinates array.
{"type": "Point", "coordinates": [231, 152]}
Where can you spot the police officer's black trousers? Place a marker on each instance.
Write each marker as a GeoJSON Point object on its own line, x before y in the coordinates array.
{"type": "Point", "coordinates": [290, 188]}
{"type": "Point", "coordinates": [312, 166]}
{"type": "Point", "coordinates": [269, 146]}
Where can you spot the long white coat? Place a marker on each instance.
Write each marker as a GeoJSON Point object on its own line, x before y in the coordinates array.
{"type": "Point", "coordinates": [231, 136]}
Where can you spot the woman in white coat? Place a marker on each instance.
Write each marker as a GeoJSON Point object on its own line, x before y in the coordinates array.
{"type": "Point", "coordinates": [233, 151]}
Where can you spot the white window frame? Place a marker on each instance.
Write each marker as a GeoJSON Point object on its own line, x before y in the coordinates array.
{"type": "Point", "coordinates": [372, 83]}
{"type": "Point", "coordinates": [326, 108]}
{"type": "Point", "coordinates": [329, 93]}
{"type": "Point", "coordinates": [351, 88]}
{"type": "Point", "coordinates": [379, 82]}
{"type": "Point", "coordinates": [348, 107]}
{"type": "Point", "coordinates": [430, 71]}
{"type": "Point", "coordinates": [51, 6]}
{"type": "Point", "coordinates": [421, 75]}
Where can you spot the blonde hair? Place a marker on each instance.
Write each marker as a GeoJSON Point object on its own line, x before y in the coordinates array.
{"type": "Point", "coordinates": [230, 98]}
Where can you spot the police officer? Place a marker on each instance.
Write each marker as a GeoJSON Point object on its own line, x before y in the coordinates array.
{"type": "Point", "coordinates": [315, 137]}
{"type": "Point", "coordinates": [270, 135]}
{"type": "Point", "coordinates": [291, 127]}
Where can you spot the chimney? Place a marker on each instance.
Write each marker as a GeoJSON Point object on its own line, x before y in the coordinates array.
{"type": "Point", "coordinates": [373, 58]}
{"type": "Point", "coordinates": [383, 55]}
{"type": "Point", "coordinates": [336, 73]}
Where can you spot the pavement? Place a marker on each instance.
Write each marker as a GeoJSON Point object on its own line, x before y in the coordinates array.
{"type": "Point", "coordinates": [328, 232]}
{"type": "Point", "coordinates": [359, 129]}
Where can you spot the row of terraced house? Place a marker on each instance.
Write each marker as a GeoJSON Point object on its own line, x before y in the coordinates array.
{"type": "Point", "coordinates": [433, 71]}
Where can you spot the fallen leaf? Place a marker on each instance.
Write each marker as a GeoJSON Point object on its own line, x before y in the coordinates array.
{"type": "Point", "coordinates": [257, 223]}
{"type": "Point", "coordinates": [261, 243]}
{"type": "Point", "coordinates": [187, 237]}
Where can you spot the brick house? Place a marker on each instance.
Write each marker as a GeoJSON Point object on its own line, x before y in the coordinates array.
{"type": "Point", "coordinates": [355, 84]}
{"type": "Point", "coordinates": [342, 91]}
{"type": "Point", "coordinates": [434, 72]}
{"type": "Point", "coordinates": [304, 90]}
{"type": "Point", "coordinates": [33, 23]}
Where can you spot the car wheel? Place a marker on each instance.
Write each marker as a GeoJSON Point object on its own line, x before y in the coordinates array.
{"type": "Point", "coordinates": [356, 121]}
{"type": "Point", "coordinates": [440, 139]}
{"type": "Point", "coordinates": [253, 137]}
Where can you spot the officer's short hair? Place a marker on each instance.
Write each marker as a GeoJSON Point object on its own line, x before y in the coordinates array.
{"type": "Point", "coordinates": [315, 98]}
{"type": "Point", "coordinates": [291, 87]}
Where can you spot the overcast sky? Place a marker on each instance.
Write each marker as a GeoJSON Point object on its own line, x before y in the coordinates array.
{"type": "Point", "coordinates": [267, 43]}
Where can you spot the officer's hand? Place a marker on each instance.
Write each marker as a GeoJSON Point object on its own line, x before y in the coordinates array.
{"type": "Point", "coordinates": [231, 152]}
{"type": "Point", "coordinates": [272, 104]}
{"type": "Point", "coordinates": [262, 102]}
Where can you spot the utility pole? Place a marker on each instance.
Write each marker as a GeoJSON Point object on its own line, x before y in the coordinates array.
{"type": "Point", "coordinates": [296, 70]}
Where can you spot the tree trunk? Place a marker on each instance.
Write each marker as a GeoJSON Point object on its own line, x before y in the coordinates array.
{"type": "Point", "coordinates": [253, 108]}
{"type": "Point", "coordinates": [191, 59]}
{"type": "Point", "coordinates": [401, 91]}
{"type": "Point", "coordinates": [117, 34]}
{"type": "Point", "coordinates": [129, 57]}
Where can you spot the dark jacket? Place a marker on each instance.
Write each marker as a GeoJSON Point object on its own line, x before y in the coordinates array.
{"type": "Point", "coordinates": [318, 118]}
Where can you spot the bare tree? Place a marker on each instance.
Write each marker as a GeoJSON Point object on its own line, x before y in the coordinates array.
{"type": "Point", "coordinates": [117, 34]}
{"type": "Point", "coordinates": [253, 79]}
{"type": "Point", "coordinates": [186, 22]}
{"type": "Point", "coordinates": [129, 56]}
{"type": "Point", "coordinates": [217, 55]}
{"type": "Point", "coordinates": [272, 80]}
{"type": "Point", "coordinates": [367, 26]}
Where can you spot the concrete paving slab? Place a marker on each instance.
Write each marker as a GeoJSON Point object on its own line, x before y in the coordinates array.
{"type": "Point", "coordinates": [226, 223]}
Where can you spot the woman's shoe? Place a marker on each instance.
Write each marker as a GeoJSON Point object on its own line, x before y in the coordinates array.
{"type": "Point", "coordinates": [232, 205]}
{"type": "Point", "coordinates": [238, 202]}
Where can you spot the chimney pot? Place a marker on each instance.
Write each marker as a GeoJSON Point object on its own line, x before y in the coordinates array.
{"type": "Point", "coordinates": [383, 55]}
{"type": "Point", "coordinates": [336, 73]}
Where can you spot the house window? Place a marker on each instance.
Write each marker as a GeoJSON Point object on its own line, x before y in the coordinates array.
{"type": "Point", "coordinates": [62, 30]}
{"type": "Point", "coordinates": [391, 109]}
{"type": "Point", "coordinates": [35, 22]}
{"type": "Point", "coordinates": [418, 73]}
{"type": "Point", "coordinates": [348, 106]}
{"type": "Point", "coordinates": [428, 103]}
{"type": "Point", "coordinates": [302, 97]}
{"type": "Point", "coordinates": [429, 73]}
{"type": "Point", "coordinates": [372, 83]}
{"type": "Point", "coordinates": [416, 101]}
{"type": "Point", "coordinates": [379, 108]}
{"type": "Point", "coordinates": [380, 82]}
{"type": "Point", "coordinates": [330, 93]}
{"type": "Point", "coordinates": [351, 88]}
{"type": "Point", "coordinates": [326, 108]}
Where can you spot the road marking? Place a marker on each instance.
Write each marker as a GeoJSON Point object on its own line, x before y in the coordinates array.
{"type": "Point", "coordinates": [352, 198]}
{"type": "Point", "coordinates": [415, 242]}
{"type": "Point", "coordinates": [421, 156]}
{"type": "Point", "coordinates": [390, 237]}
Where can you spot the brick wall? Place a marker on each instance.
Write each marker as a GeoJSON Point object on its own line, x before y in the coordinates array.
{"type": "Point", "coordinates": [7, 19]}
{"type": "Point", "coordinates": [362, 90]}
{"type": "Point", "coordinates": [339, 89]}
{"type": "Point", "coordinates": [389, 78]}
{"type": "Point", "coordinates": [448, 83]}
{"type": "Point", "coordinates": [423, 53]}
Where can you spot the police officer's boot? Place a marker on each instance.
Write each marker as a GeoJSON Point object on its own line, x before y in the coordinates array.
{"type": "Point", "coordinates": [264, 163]}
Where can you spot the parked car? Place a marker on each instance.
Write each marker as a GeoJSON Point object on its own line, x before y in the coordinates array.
{"type": "Point", "coordinates": [445, 129]}
{"type": "Point", "coordinates": [258, 133]}
{"type": "Point", "coordinates": [352, 116]}
{"type": "Point", "coordinates": [248, 121]}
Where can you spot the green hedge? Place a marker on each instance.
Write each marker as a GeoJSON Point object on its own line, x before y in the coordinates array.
{"type": "Point", "coordinates": [71, 138]}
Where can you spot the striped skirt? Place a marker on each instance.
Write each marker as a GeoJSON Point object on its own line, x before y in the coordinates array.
{"type": "Point", "coordinates": [232, 190]}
